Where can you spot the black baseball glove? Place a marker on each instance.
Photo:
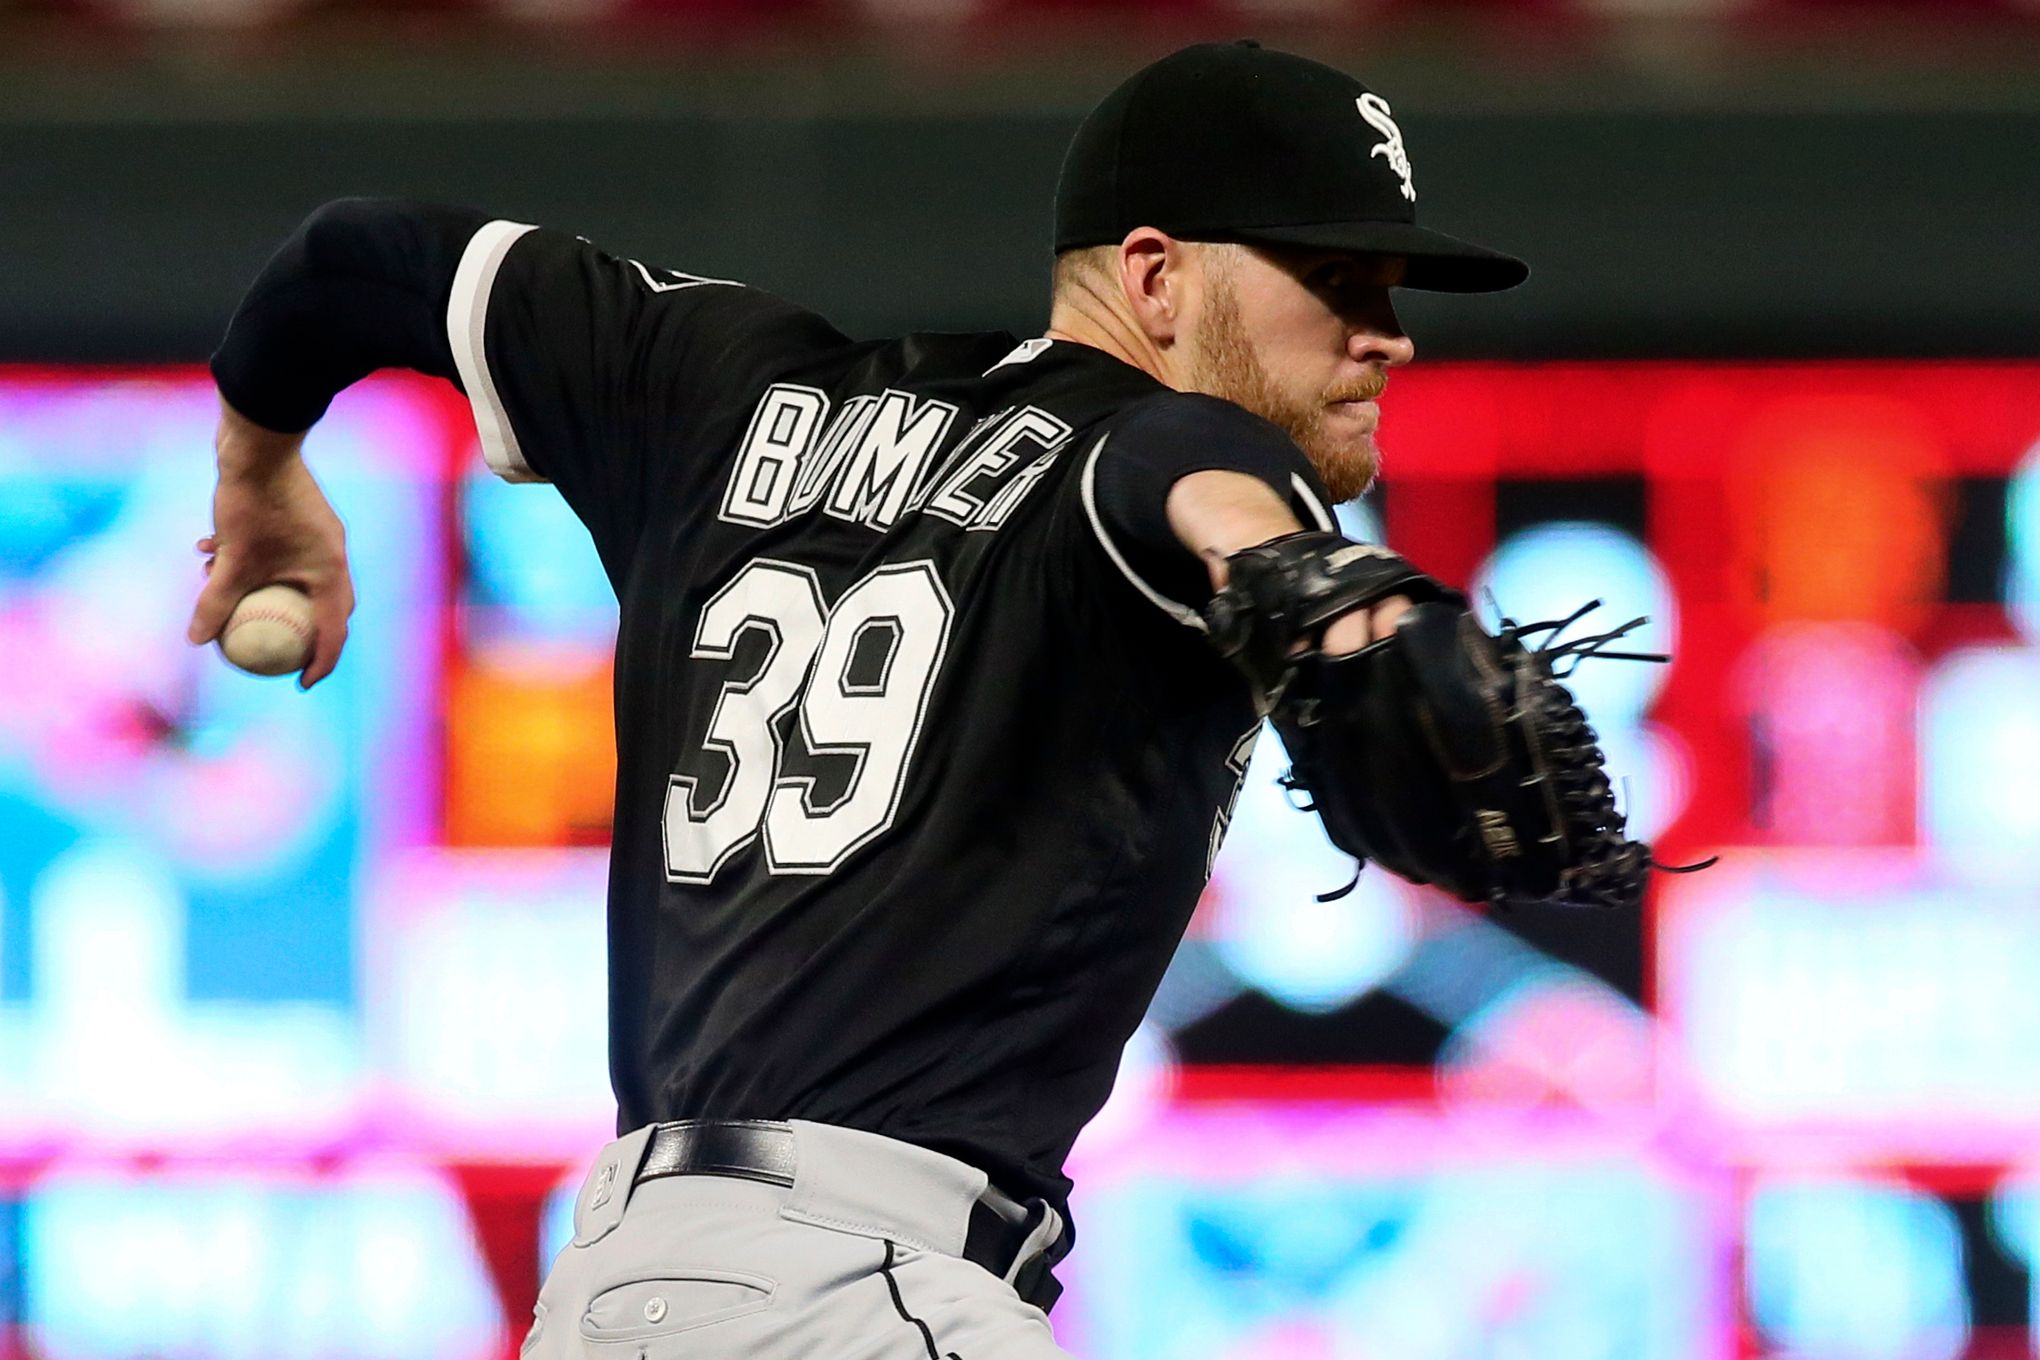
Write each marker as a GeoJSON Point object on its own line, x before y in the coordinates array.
{"type": "Point", "coordinates": [1443, 753]}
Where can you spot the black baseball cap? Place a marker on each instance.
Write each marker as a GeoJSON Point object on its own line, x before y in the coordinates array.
{"type": "Point", "coordinates": [1237, 142]}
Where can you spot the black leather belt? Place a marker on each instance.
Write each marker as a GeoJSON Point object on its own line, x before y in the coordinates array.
{"type": "Point", "coordinates": [1001, 1228]}
{"type": "Point", "coordinates": [752, 1149]}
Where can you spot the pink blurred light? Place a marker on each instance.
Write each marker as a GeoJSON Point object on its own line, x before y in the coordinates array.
{"type": "Point", "coordinates": [1831, 712]}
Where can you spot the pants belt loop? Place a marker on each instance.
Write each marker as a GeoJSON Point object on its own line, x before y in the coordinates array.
{"type": "Point", "coordinates": [1034, 1247]}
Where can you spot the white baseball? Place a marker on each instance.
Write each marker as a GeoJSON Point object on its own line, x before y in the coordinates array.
{"type": "Point", "coordinates": [270, 631]}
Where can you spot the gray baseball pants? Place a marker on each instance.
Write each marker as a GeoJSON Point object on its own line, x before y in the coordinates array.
{"type": "Point", "coordinates": [860, 1259]}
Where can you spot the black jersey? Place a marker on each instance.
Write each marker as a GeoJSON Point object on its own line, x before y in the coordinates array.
{"type": "Point", "coordinates": [919, 776]}
{"type": "Point", "coordinates": [921, 763]}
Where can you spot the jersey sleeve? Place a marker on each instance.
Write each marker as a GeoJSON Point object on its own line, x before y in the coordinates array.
{"type": "Point", "coordinates": [597, 373]}
{"type": "Point", "coordinates": [1130, 467]}
{"type": "Point", "coordinates": [360, 285]}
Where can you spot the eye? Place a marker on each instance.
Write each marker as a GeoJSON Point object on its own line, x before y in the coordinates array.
{"type": "Point", "coordinates": [1333, 276]}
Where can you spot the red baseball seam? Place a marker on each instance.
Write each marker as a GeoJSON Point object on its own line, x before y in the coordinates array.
{"type": "Point", "coordinates": [275, 616]}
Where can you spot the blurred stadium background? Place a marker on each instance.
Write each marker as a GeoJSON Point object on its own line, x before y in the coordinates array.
{"type": "Point", "coordinates": [300, 996]}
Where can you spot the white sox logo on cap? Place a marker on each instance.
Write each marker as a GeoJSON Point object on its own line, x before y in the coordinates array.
{"type": "Point", "coordinates": [1375, 110]}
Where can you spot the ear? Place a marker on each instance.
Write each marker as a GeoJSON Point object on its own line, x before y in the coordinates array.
{"type": "Point", "coordinates": [1156, 276]}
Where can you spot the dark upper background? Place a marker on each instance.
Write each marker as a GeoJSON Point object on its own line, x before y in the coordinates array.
{"type": "Point", "coordinates": [1769, 177]}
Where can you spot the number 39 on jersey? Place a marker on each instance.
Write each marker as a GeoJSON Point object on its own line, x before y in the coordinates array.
{"type": "Point", "coordinates": [810, 649]}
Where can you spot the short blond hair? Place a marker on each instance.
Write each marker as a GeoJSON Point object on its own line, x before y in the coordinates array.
{"type": "Point", "coordinates": [1095, 268]}
{"type": "Point", "coordinates": [1085, 268]}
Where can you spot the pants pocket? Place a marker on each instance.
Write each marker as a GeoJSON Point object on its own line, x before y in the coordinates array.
{"type": "Point", "coordinates": [641, 1308]}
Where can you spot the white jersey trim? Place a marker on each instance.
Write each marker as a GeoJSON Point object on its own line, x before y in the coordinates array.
{"type": "Point", "coordinates": [1023, 353]}
{"type": "Point", "coordinates": [467, 319]}
{"type": "Point", "coordinates": [1175, 609]}
{"type": "Point", "coordinates": [680, 280]}
{"type": "Point", "coordinates": [1324, 517]}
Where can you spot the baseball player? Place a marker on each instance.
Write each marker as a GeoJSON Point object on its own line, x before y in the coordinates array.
{"type": "Point", "coordinates": [923, 750]}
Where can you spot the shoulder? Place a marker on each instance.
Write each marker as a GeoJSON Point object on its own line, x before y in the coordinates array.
{"type": "Point", "coordinates": [557, 268]}
{"type": "Point", "coordinates": [730, 303]}
{"type": "Point", "coordinates": [1167, 435]}
{"type": "Point", "coordinates": [1168, 414]}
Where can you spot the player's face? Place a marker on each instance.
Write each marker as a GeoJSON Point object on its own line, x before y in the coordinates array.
{"type": "Point", "coordinates": [1305, 340]}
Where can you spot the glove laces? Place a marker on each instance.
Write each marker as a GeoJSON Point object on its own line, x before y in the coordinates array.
{"type": "Point", "coordinates": [1611, 867]}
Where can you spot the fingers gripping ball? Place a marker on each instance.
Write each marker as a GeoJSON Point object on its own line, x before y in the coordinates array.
{"type": "Point", "coordinates": [270, 631]}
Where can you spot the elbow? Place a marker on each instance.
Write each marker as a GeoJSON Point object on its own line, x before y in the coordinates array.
{"type": "Point", "coordinates": [342, 235]}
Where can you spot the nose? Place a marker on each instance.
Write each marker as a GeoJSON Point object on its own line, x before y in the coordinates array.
{"type": "Point", "coordinates": [1383, 344]}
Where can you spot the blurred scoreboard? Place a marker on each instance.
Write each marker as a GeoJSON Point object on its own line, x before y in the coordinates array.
{"type": "Point", "coordinates": [301, 1007]}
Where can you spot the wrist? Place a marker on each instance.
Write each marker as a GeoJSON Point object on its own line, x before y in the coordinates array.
{"type": "Point", "coordinates": [246, 449]}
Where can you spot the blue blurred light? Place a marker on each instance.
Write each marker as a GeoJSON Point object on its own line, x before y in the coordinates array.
{"type": "Point", "coordinates": [1862, 996]}
{"type": "Point", "coordinates": [44, 515]}
{"type": "Point", "coordinates": [185, 843]}
{"type": "Point", "coordinates": [57, 484]}
{"type": "Point", "coordinates": [1599, 1260]}
{"type": "Point", "coordinates": [532, 565]}
{"type": "Point", "coordinates": [1980, 755]}
{"type": "Point", "coordinates": [1548, 571]}
{"type": "Point", "coordinates": [12, 1263]}
{"type": "Point", "coordinates": [1650, 771]}
{"type": "Point", "coordinates": [122, 1049]}
{"type": "Point", "coordinates": [556, 1220]}
{"type": "Point", "coordinates": [2022, 542]}
{"type": "Point", "coordinates": [1856, 1268]}
{"type": "Point", "coordinates": [1357, 520]}
{"type": "Point", "coordinates": [371, 1266]}
{"type": "Point", "coordinates": [1269, 928]}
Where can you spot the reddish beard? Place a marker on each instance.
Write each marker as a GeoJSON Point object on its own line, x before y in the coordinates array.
{"type": "Point", "coordinates": [1226, 365]}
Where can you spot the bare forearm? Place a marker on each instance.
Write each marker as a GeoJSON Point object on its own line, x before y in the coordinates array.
{"type": "Point", "coordinates": [245, 449]}
{"type": "Point", "coordinates": [1217, 513]}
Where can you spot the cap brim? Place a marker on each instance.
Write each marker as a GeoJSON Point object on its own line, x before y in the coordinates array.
{"type": "Point", "coordinates": [1437, 263]}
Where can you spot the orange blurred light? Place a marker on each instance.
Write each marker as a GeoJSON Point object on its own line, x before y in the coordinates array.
{"type": "Point", "coordinates": [530, 755]}
{"type": "Point", "coordinates": [1843, 511]}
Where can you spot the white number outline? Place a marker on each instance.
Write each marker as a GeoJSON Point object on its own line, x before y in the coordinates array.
{"type": "Point", "coordinates": [878, 687]}
{"type": "Point", "coordinates": [801, 787]}
{"type": "Point", "coordinates": [795, 792]}
{"type": "Point", "coordinates": [683, 786]}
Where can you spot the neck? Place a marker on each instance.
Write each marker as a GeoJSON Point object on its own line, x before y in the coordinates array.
{"type": "Point", "coordinates": [1084, 319]}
